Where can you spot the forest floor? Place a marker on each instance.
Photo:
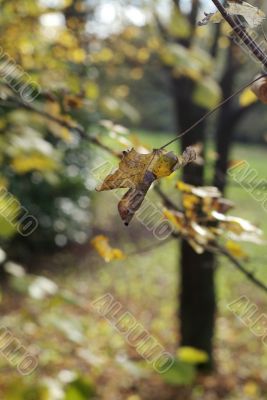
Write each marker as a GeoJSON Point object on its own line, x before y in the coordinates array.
{"type": "Point", "coordinates": [81, 356]}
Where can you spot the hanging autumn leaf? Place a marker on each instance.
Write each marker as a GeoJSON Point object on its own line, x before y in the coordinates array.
{"type": "Point", "coordinates": [101, 245]}
{"type": "Point", "coordinates": [137, 172]}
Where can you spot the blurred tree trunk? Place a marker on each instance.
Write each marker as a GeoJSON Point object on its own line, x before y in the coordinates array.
{"type": "Point", "coordinates": [229, 116]}
{"type": "Point", "coordinates": [197, 293]}
{"type": "Point", "coordinates": [226, 119]}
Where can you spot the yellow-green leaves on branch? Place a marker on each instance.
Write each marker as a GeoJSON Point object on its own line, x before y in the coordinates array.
{"type": "Point", "coordinates": [137, 172]}
{"type": "Point", "coordinates": [203, 222]}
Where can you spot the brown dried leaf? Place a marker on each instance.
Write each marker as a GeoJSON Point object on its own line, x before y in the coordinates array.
{"type": "Point", "coordinates": [137, 172]}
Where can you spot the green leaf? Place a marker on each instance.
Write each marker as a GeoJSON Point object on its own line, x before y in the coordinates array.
{"type": "Point", "coordinates": [80, 389]}
{"type": "Point", "coordinates": [180, 374]}
{"type": "Point", "coordinates": [179, 26]}
{"type": "Point", "coordinates": [207, 93]}
{"type": "Point", "coordinates": [192, 355]}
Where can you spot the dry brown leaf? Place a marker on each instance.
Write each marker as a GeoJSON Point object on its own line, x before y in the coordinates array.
{"type": "Point", "coordinates": [137, 172]}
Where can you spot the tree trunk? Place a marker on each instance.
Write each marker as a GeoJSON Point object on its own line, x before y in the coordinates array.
{"type": "Point", "coordinates": [197, 293]}
{"type": "Point", "coordinates": [225, 125]}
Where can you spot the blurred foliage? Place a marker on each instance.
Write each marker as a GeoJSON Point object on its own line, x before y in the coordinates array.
{"type": "Point", "coordinates": [86, 78]}
{"type": "Point", "coordinates": [87, 75]}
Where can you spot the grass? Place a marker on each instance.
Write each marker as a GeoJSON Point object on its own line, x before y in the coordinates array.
{"type": "Point", "coordinates": [146, 284]}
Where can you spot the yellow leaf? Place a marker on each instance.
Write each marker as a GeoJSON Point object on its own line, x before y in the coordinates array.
{"type": "Point", "coordinates": [101, 245]}
{"type": "Point", "coordinates": [105, 55]}
{"type": "Point", "coordinates": [179, 26]}
{"type": "Point", "coordinates": [143, 55]}
{"type": "Point", "coordinates": [175, 217]}
{"type": "Point", "coordinates": [77, 55]}
{"type": "Point", "coordinates": [184, 187]}
{"type": "Point", "coordinates": [251, 389]}
{"type": "Point", "coordinates": [92, 90]}
{"type": "Point", "coordinates": [235, 249]}
{"type": "Point", "coordinates": [192, 355]}
{"type": "Point", "coordinates": [207, 93]}
{"type": "Point", "coordinates": [134, 397]}
{"type": "Point", "coordinates": [34, 162]}
{"type": "Point", "coordinates": [247, 98]}
{"type": "Point", "coordinates": [190, 201]}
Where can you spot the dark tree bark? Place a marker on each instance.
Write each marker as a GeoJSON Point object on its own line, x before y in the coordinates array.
{"type": "Point", "coordinates": [226, 120]}
{"type": "Point", "coordinates": [197, 293]}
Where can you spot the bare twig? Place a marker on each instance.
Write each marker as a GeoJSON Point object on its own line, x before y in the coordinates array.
{"type": "Point", "coordinates": [242, 269]}
{"type": "Point", "coordinates": [208, 114]}
{"type": "Point", "coordinates": [166, 201]}
{"type": "Point", "coordinates": [151, 247]}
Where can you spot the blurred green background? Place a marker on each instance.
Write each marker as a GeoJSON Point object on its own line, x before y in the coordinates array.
{"type": "Point", "coordinates": [123, 74]}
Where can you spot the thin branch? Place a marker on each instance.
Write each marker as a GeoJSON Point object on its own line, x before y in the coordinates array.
{"type": "Point", "coordinates": [97, 142]}
{"type": "Point", "coordinates": [64, 123]}
{"type": "Point", "coordinates": [151, 246]}
{"type": "Point", "coordinates": [208, 114]}
{"type": "Point", "coordinates": [242, 269]}
{"type": "Point", "coordinates": [166, 201]}
{"type": "Point", "coordinates": [193, 14]}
